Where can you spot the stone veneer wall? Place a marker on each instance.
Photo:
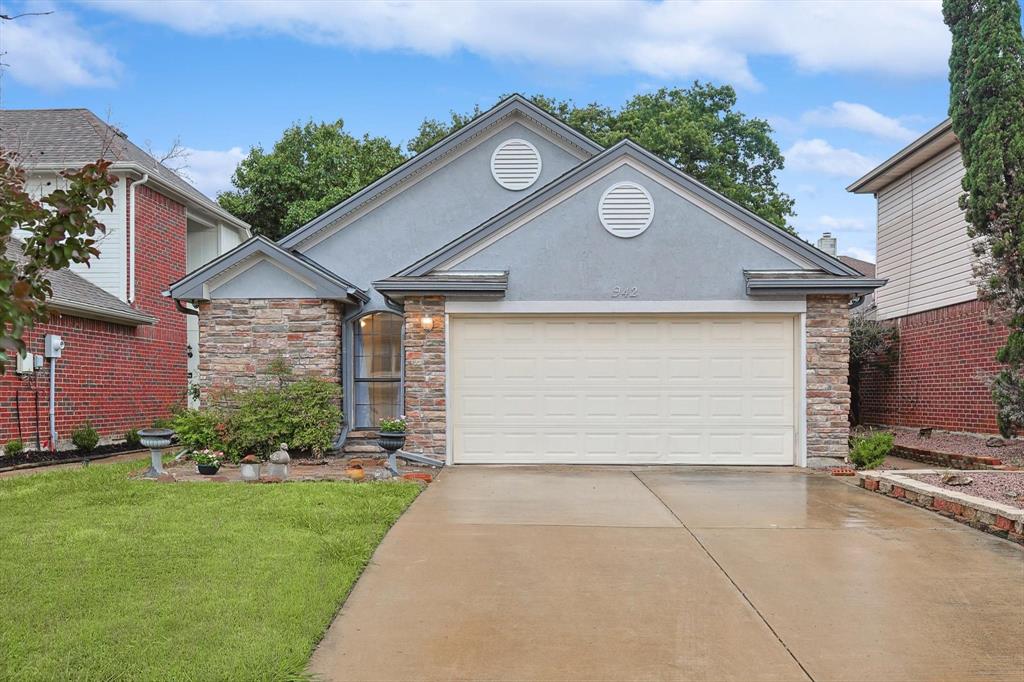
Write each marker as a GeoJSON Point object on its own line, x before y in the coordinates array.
{"type": "Point", "coordinates": [425, 376]}
{"type": "Point", "coordinates": [828, 390]}
{"type": "Point", "coordinates": [239, 338]}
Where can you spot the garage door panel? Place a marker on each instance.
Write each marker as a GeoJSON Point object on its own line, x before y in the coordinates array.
{"type": "Point", "coordinates": [653, 389]}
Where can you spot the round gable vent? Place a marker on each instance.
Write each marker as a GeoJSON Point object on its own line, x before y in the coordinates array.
{"type": "Point", "coordinates": [626, 209]}
{"type": "Point", "coordinates": [515, 164]}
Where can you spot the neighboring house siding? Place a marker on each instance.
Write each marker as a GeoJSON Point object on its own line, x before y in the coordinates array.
{"type": "Point", "coordinates": [945, 357]}
{"type": "Point", "coordinates": [115, 377]}
{"type": "Point", "coordinates": [923, 247]}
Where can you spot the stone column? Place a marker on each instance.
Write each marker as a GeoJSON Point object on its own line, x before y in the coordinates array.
{"type": "Point", "coordinates": [425, 376]}
{"type": "Point", "coordinates": [828, 391]}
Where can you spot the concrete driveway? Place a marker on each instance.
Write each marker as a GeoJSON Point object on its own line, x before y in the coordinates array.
{"type": "Point", "coordinates": [558, 573]}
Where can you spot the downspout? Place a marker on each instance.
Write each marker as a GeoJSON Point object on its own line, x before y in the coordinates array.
{"type": "Point", "coordinates": [53, 416]}
{"type": "Point", "coordinates": [131, 228]}
{"type": "Point", "coordinates": [185, 309]}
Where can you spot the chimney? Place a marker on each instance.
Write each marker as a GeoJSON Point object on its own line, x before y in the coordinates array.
{"type": "Point", "coordinates": [827, 243]}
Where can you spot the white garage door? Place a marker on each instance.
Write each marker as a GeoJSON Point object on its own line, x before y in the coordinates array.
{"type": "Point", "coordinates": [611, 389]}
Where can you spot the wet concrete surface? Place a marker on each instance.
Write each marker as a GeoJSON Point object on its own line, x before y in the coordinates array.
{"type": "Point", "coordinates": [665, 573]}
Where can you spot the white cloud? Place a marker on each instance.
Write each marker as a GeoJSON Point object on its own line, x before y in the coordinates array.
{"type": "Point", "coordinates": [818, 156]}
{"type": "Point", "coordinates": [663, 40]}
{"type": "Point", "coordinates": [210, 170]}
{"type": "Point", "coordinates": [858, 253]}
{"type": "Point", "coordinates": [861, 118]}
{"type": "Point", "coordinates": [50, 52]}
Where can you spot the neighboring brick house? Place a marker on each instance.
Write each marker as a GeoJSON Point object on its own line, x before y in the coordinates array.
{"type": "Point", "coordinates": [127, 356]}
{"type": "Point", "coordinates": [523, 295]}
{"type": "Point", "coordinates": [947, 344]}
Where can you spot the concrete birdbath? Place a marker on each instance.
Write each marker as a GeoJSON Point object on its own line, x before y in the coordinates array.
{"type": "Point", "coordinates": [156, 440]}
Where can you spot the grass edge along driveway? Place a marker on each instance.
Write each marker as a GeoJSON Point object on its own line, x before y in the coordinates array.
{"type": "Point", "coordinates": [108, 578]}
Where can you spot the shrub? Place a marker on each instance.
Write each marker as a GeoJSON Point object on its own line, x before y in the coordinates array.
{"type": "Point", "coordinates": [132, 438]}
{"type": "Point", "coordinates": [304, 414]}
{"type": "Point", "coordinates": [14, 447]}
{"type": "Point", "coordinates": [870, 451]}
{"type": "Point", "coordinates": [200, 429]}
{"type": "Point", "coordinates": [163, 423]}
{"type": "Point", "coordinates": [85, 437]}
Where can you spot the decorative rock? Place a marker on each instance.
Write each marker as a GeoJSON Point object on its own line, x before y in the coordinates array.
{"type": "Point", "coordinates": [957, 479]}
{"type": "Point", "coordinates": [278, 467]}
{"type": "Point", "coordinates": [926, 432]}
{"type": "Point", "coordinates": [995, 442]}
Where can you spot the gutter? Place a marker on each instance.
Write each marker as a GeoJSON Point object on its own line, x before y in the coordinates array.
{"type": "Point", "coordinates": [767, 287]}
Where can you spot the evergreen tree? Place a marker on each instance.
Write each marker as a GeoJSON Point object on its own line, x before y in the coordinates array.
{"type": "Point", "coordinates": [986, 104]}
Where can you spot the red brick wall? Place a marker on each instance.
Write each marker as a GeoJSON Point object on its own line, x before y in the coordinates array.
{"type": "Point", "coordinates": [114, 376]}
{"type": "Point", "coordinates": [939, 380]}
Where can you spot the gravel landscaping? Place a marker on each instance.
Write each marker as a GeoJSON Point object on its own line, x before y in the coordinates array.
{"type": "Point", "coordinates": [990, 485]}
{"type": "Point", "coordinates": [961, 444]}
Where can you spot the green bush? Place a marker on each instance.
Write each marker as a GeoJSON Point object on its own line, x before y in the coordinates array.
{"type": "Point", "coordinates": [132, 438]}
{"type": "Point", "coordinates": [163, 423]}
{"type": "Point", "coordinates": [200, 429]}
{"type": "Point", "coordinates": [14, 447]}
{"type": "Point", "coordinates": [85, 437]}
{"type": "Point", "coordinates": [870, 451]}
{"type": "Point", "coordinates": [304, 414]}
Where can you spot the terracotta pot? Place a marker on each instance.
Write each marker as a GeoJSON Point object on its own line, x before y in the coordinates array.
{"type": "Point", "coordinates": [356, 473]}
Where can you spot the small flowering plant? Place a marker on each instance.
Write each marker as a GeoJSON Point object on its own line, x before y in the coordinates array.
{"type": "Point", "coordinates": [208, 457]}
{"type": "Point", "coordinates": [393, 425]}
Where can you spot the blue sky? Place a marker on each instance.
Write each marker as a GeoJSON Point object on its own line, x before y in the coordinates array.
{"type": "Point", "coordinates": [845, 84]}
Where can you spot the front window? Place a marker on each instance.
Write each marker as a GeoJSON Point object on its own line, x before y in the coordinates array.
{"type": "Point", "coordinates": [378, 368]}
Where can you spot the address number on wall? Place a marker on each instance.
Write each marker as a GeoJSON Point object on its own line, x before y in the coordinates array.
{"type": "Point", "coordinates": [625, 292]}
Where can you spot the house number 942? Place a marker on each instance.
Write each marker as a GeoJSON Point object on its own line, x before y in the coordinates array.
{"type": "Point", "coordinates": [624, 292]}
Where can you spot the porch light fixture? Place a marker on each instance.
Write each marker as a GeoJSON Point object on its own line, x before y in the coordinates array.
{"type": "Point", "coordinates": [427, 323]}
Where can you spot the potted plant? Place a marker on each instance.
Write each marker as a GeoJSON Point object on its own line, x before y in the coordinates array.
{"type": "Point", "coordinates": [391, 434]}
{"type": "Point", "coordinates": [355, 472]}
{"type": "Point", "coordinates": [208, 461]}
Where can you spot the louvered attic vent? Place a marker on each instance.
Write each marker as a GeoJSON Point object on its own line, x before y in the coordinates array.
{"type": "Point", "coordinates": [626, 209]}
{"type": "Point", "coordinates": [515, 164]}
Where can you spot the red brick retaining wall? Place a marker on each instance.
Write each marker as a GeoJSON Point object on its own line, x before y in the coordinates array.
{"type": "Point", "coordinates": [939, 379]}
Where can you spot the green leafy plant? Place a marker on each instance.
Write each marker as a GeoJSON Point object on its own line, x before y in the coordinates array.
{"type": "Point", "coordinates": [207, 457]}
{"type": "Point", "coordinates": [305, 414]}
{"type": "Point", "coordinates": [85, 437]}
{"type": "Point", "coordinates": [132, 438]}
{"type": "Point", "coordinates": [200, 429]}
{"type": "Point", "coordinates": [14, 447]}
{"type": "Point", "coordinates": [870, 451]}
{"type": "Point", "coordinates": [163, 423]}
{"type": "Point", "coordinates": [392, 425]}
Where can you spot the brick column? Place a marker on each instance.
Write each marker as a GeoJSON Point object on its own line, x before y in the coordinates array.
{"type": "Point", "coordinates": [425, 376]}
{"type": "Point", "coordinates": [828, 392]}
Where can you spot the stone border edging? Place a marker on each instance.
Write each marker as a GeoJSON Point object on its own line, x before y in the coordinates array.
{"type": "Point", "coordinates": [948, 459]}
{"type": "Point", "coordinates": [977, 512]}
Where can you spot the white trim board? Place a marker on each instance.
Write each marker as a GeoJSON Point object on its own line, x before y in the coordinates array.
{"type": "Point", "coordinates": [621, 307]}
{"type": "Point", "coordinates": [668, 184]}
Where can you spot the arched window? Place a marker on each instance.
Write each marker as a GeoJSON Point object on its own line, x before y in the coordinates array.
{"type": "Point", "coordinates": [377, 351]}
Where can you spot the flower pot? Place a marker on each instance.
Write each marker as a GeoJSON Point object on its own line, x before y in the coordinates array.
{"type": "Point", "coordinates": [390, 441]}
{"type": "Point", "coordinates": [208, 469]}
{"type": "Point", "coordinates": [356, 473]}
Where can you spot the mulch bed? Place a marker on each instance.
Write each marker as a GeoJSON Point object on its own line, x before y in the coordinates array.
{"type": "Point", "coordinates": [988, 485]}
{"type": "Point", "coordinates": [43, 457]}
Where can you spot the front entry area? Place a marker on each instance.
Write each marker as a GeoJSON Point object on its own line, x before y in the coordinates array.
{"type": "Point", "coordinates": [624, 389]}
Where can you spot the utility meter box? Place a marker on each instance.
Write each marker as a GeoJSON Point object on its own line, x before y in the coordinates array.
{"type": "Point", "coordinates": [52, 346]}
{"type": "Point", "coordinates": [25, 364]}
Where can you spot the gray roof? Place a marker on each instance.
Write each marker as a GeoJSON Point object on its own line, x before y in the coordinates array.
{"type": "Point", "coordinates": [75, 295]}
{"type": "Point", "coordinates": [932, 143]}
{"type": "Point", "coordinates": [67, 138]}
{"type": "Point", "coordinates": [862, 266]}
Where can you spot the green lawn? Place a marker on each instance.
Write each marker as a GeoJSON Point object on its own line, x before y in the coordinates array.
{"type": "Point", "coordinates": [104, 578]}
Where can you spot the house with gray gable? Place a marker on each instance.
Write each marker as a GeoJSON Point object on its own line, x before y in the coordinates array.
{"type": "Point", "coordinates": [523, 295]}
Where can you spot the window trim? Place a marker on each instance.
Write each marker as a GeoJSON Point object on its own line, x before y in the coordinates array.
{"type": "Point", "coordinates": [400, 380]}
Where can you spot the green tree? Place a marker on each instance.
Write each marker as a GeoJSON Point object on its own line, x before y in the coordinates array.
{"type": "Point", "coordinates": [697, 129]}
{"type": "Point", "coordinates": [986, 105]}
{"type": "Point", "coordinates": [58, 229]}
{"type": "Point", "coordinates": [312, 168]}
